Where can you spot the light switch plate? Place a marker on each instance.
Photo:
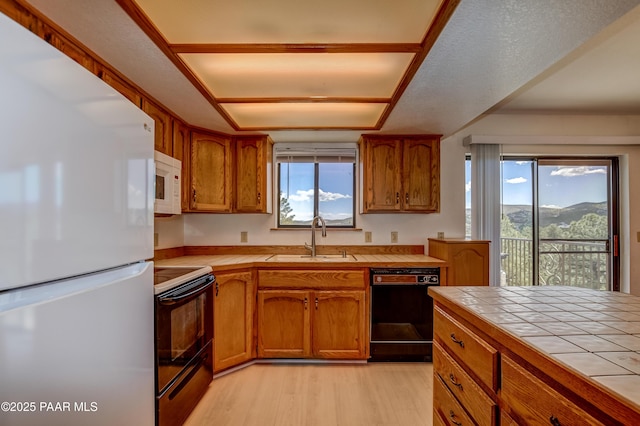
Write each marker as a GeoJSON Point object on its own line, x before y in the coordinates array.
{"type": "Point", "coordinates": [244, 236]}
{"type": "Point", "coordinates": [394, 236]}
{"type": "Point", "coordinates": [367, 236]}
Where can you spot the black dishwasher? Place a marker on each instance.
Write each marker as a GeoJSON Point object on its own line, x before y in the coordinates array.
{"type": "Point", "coordinates": [402, 314]}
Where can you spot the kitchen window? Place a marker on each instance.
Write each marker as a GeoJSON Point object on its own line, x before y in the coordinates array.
{"type": "Point", "coordinates": [316, 181]}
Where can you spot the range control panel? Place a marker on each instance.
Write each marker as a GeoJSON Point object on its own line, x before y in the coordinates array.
{"type": "Point", "coordinates": [405, 276]}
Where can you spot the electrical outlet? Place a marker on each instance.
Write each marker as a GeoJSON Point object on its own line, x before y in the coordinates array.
{"type": "Point", "coordinates": [394, 236]}
{"type": "Point", "coordinates": [367, 236]}
{"type": "Point", "coordinates": [155, 239]}
{"type": "Point", "coordinates": [244, 237]}
{"type": "Point", "coordinates": [440, 235]}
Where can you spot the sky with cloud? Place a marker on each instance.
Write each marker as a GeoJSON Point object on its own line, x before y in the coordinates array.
{"type": "Point", "coordinates": [560, 186]}
{"type": "Point", "coordinates": [335, 192]}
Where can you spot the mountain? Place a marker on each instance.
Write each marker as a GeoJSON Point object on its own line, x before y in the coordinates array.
{"type": "Point", "coordinates": [521, 215]}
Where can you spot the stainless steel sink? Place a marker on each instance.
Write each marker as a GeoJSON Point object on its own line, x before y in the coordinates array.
{"type": "Point", "coordinates": [309, 258]}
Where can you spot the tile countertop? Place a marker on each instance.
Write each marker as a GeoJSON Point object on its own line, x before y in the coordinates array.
{"type": "Point", "coordinates": [236, 261]}
{"type": "Point", "coordinates": [594, 333]}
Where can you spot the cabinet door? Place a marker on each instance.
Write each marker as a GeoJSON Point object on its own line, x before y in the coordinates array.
{"type": "Point", "coordinates": [381, 167]}
{"type": "Point", "coordinates": [211, 178]}
{"type": "Point", "coordinates": [120, 85]}
{"type": "Point", "coordinates": [233, 319]}
{"type": "Point", "coordinates": [181, 151]}
{"type": "Point", "coordinates": [339, 324]}
{"type": "Point", "coordinates": [162, 137]}
{"type": "Point", "coordinates": [253, 163]}
{"type": "Point", "coordinates": [421, 175]}
{"type": "Point", "coordinates": [284, 324]}
{"type": "Point", "coordinates": [72, 50]}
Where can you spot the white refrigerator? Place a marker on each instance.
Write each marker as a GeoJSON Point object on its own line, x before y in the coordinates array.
{"type": "Point", "coordinates": [76, 229]}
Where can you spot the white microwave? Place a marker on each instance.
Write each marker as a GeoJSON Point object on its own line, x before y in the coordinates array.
{"type": "Point", "coordinates": [168, 184]}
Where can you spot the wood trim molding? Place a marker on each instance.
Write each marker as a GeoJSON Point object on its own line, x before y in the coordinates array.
{"type": "Point", "coordinates": [442, 17]}
{"type": "Point", "coordinates": [298, 48]}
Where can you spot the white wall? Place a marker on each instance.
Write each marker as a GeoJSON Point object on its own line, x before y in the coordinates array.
{"type": "Point", "coordinates": [414, 229]}
{"type": "Point", "coordinates": [577, 125]}
{"type": "Point", "coordinates": [224, 229]}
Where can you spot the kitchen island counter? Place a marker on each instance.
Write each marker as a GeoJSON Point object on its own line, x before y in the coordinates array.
{"type": "Point", "coordinates": [570, 352]}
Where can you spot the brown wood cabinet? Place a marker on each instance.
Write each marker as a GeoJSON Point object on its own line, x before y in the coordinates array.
{"type": "Point", "coordinates": [182, 152]}
{"type": "Point", "coordinates": [119, 84]}
{"type": "Point", "coordinates": [304, 321]}
{"type": "Point", "coordinates": [466, 368]}
{"type": "Point", "coordinates": [400, 173]}
{"type": "Point", "coordinates": [163, 140]}
{"type": "Point", "coordinates": [253, 174]}
{"type": "Point", "coordinates": [72, 50]}
{"type": "Point", "coordinates": [284, 324]}
{"type": "Point", "coordinates": [518, 386]}
{"type": "Point", "coordinates": [469, 260]}
{"type": "Point", "coordinates": [211, 176]}
{"type": "Point", "coordinates": [233, 307]}
{"type": "Point", "coordinates": [489, 370]}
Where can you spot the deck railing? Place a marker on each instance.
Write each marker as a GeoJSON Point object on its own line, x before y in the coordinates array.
{"type": "Point", "coordinates": [578, 263]}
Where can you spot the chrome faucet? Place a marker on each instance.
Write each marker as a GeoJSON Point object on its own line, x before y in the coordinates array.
{"type": "Point", "coordinates": [312, 247]}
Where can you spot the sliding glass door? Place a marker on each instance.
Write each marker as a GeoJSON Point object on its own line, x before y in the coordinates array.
{"type": "Point", "coordinates": [559, 222]}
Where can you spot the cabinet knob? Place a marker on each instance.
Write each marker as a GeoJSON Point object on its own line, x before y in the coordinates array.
{"type": "Point", "coordinates": [259, 197]}
{"type": "Point", "coordinates": [554, 421]}
{"type": "Point", "coordinates": [452, 417]}
{"type": "Point", "coordinates": [406, 197]}
{"type": "Point", "coordinates": [316, 303]}
{"type": "Point", "coordinates": [194, 195]}
{"type": "Point", "coordinates": [397, 198]}
{"type": "Point", "coordinates": [459, 342]}
{"type": "Point", "coordinates": [306, 303]}
{"type": "Point", "coordinates": [217, 288]}
{"type": "Point", "coordinates": [454, 382]}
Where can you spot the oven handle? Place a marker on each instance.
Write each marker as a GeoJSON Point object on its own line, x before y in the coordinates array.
{"type": "Point", "coordinates": [172, 300]}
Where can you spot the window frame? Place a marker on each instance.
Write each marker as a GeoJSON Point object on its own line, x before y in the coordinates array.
{"type": "Point", "coordinates": [316, 200]}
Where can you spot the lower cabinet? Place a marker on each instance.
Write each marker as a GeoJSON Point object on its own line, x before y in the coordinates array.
{"type": "Point", "coordinates": [233, 307]}
{"type": "Point", "coordinates": [311, 324]}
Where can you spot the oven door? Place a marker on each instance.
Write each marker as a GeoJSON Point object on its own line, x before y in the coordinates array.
{"type": "Point", "coordinates": [184, 326]}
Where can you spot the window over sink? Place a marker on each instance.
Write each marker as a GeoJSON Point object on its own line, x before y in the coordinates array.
{"type": "Point", "coordinates": [314, 181]}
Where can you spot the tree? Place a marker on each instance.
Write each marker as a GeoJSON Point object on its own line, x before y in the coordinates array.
{"type": "Point", "coordinates": [590, 226]}
{"type": "Point", "coordinates": [286, 218]}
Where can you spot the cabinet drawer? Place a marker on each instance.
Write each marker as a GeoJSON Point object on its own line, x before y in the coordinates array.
{"type": "Point", "coordinates": [471, 396]}
{"type": "Point", "coordinates": [532, 401]}
{"type": "Point", "coordinates": [316, 279]}
{"type": "Point", "coordinates": [477, 355]}
{"type": "Point", "coordinates": [446, 406]}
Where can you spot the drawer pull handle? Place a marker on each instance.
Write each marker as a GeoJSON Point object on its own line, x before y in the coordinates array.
{"type": "Point", "coordinates": [459, 342]}
{"type": "Point", "coordinates": [454, 382]}
{"type": "Point", "coordinates": [452, 416]}
{"type": "Point", "coordinates": [554, 421]}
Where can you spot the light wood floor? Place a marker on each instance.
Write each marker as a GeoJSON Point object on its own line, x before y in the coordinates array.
{"type": "Point", "coordinates": [374, 394]}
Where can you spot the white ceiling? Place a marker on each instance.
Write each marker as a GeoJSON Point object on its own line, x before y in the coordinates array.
{"type": "Point", "coordinates": [510, 56]}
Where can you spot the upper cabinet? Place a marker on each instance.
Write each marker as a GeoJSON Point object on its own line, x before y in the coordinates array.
{"type": "Point", "coordinates": [211, 172]}
{"type": "Point", "coordinates": [162, 119]}
{"type": "Point", "coordinates": [119, 84]}
{"type": "Point", "coordinates": [400, 173]}
{"type": "Point", "coordinates": [253, 172]}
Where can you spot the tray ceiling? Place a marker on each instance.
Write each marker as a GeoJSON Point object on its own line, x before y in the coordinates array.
{"type": "Point", "coordinates": [286, 64]}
